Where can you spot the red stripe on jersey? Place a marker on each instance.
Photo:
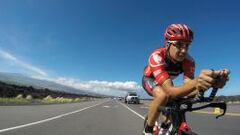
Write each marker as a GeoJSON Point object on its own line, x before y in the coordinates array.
{"type": "Point", "coordinates": [160, 78]}
{"type": "Point", "coordinates": [147, 71]}
{"type": "Point", "coordinates": [188, 67]}
{"type": "Point", "coordinates": [157, 65]}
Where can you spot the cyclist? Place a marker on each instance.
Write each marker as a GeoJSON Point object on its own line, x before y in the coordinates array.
{"type": "Point", "coordinates": [166, 63]}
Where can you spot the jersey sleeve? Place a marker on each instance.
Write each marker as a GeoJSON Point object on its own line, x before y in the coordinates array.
{"type": "Point", "coordinates": [157, 66]}
{"type": "Point", "coordinates": [189, 68]}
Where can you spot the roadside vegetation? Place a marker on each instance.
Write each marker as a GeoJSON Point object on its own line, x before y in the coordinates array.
{"type": "Point", "coordinates": [50, 100]}
{"type": "Point", "coordinates": [15, 94]}
{"type": "Point", "coordinates": [19, 99]}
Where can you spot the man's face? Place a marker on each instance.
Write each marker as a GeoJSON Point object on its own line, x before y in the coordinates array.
{"type": "Point", "coordinates": [179, 50]}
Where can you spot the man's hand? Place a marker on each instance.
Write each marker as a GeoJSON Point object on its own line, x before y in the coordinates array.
{"type": "Point", "coordinates": [221, 78]}
{"type": "Point", "coordinates": [211, 78]}
{"type": "Point", "coordinates": [205, 80]}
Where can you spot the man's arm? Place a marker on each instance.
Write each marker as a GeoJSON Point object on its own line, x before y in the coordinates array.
{"type": "Point", "coordinates": [179, 91]}
{"type": "Point", "coordinates": [203, 82]}
{"type": "Point", "coordinates": [194, 92]}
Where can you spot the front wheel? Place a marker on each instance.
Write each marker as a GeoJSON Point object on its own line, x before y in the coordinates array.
{"type": "Point", "coordinates": [184, 133]}
{"type": "Point", "coordinates": [193, 133]}
{"type": "Point", "coordinates": [145, 123]}
{"type": "Point", "coordinates": [156, 128]}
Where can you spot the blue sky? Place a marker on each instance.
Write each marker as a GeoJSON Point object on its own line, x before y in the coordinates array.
{"type": "Point", "coordinates": [103, 45]}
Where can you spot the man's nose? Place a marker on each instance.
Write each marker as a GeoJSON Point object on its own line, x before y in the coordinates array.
{"type": "Point", "coordinates": [183, 50]}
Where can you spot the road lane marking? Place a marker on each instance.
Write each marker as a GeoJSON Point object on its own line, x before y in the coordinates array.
{"type": "Point", "coordinates": [227, 114]}
{"type": "Point", "coordinates": [133, 111]}
{"type": "Point", "coordinates": [205, 112]}
{"type": "Point", "coordinates": [233, 114]}
{"type": "Point", "coordinates": [49, 119]}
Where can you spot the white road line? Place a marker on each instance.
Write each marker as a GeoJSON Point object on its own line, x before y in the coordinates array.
{"type": "Point", "coordinates": [106, 106]}
{"type": "Point", "coordinates": [133, 111]}
{"type": "Point", "coordinates": [228, 114]}
{"type": "Point", "coordinates": [49, 119]}
{"type": "Point", "coordinates": [145, 107]}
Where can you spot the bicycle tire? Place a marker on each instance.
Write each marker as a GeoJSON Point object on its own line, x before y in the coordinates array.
{"type": "Point", "coordinates": [145, 122]}
{"type": "Point", "coordinates": [193, 133]}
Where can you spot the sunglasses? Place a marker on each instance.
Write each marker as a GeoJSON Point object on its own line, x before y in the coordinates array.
{"type": "Point", "coordinates": [180, 44]}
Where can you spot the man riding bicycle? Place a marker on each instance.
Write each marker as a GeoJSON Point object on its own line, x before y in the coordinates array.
{"type": "Point", "coordinates": [166, 63]}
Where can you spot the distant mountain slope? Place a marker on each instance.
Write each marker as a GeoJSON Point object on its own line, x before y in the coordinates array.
{"type": "Point", "coordinates": [19, 79]}
{"type": "Point", "coordinates": [13, 90]}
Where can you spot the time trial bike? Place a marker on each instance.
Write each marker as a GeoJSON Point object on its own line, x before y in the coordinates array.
{"type": "Point", "coordinates": [176, 109]}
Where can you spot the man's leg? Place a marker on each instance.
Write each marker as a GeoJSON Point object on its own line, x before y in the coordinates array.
{"type": "Point", "coordinates": [160, 99]}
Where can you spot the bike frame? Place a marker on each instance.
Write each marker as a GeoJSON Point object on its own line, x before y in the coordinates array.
{"type": "Point", "coordinates": [178, 120]}
{"type": "Point", "coordinates": [176, 110]}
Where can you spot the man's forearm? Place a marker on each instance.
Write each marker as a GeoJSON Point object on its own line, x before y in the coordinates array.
{"type": "Point", "coordinates": [193, 94]}
{"type": "Point", "coordinates": [181, 91]}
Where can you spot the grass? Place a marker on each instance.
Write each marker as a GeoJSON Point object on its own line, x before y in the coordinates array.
{"type": "Point", "coordinates": [13, 100]}
{"type": "Point", "coordinates": [47, 100]}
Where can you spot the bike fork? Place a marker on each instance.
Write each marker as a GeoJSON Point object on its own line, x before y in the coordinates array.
{"type": "Point", "coordinates": [156, 128]}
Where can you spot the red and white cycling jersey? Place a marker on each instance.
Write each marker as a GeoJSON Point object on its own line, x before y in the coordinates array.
{"type": "Point", "coordinates": [160, 67]}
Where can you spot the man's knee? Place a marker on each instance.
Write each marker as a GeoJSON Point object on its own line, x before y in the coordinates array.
{"type": "Point", "coordinates": [160, 93]}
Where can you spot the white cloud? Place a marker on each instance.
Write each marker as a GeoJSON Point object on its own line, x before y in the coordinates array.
{"type": "Point", "coordinates": [10, 58]}
{"type": "Point", "coordinates": [93, 85]}
{"type": "Point", "coordinates": [115, 88]}
{"type": "Point", "coordinates": [127, 85]}
{"type": "Point", "coordinates": [97, 85]}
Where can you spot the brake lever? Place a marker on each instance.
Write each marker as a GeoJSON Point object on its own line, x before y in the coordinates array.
{"type": "Point", "coordinates": [223, 106]}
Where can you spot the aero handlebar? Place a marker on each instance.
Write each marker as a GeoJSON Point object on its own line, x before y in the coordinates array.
{"type": "Point", "coordinates": [198, 99]}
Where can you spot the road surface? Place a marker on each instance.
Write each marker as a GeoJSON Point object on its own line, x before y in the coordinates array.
{"type": "Point", "coordinates": [101, 117]}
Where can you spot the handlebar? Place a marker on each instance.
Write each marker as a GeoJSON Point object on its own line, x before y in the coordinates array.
{"type": "Point", "coordinates": [221, 105]}
{"type": "Point", "coordinates": [169, 110]}
{"type": "Point", "coordinates": [198, 99]}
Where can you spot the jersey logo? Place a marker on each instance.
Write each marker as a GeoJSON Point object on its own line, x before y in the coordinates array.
{"type": "Point", "coordinates": [157, 58]}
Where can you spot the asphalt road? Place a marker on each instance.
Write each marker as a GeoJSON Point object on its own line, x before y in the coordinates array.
{"type": "Point", "coordinates": [102, 117]}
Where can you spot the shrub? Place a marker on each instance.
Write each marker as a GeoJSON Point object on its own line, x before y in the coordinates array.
{"type": "Point", "coordinates": [29, 97]}
{"type": "Point", "coordinates": [77, 100]}
{"type": "Point", "coordinates": [48, 98]}
{"type": "Point", "coordinates": [20, 96]}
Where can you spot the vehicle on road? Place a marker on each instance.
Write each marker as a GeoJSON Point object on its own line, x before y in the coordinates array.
{"type": "Point", "coordinates": [131, 97]}
{"type": "Point", "coordinates": [120, 98]}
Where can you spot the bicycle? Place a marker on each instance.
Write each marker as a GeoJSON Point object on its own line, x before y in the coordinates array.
{"type": "Point", "coordinates": [176, 109]}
